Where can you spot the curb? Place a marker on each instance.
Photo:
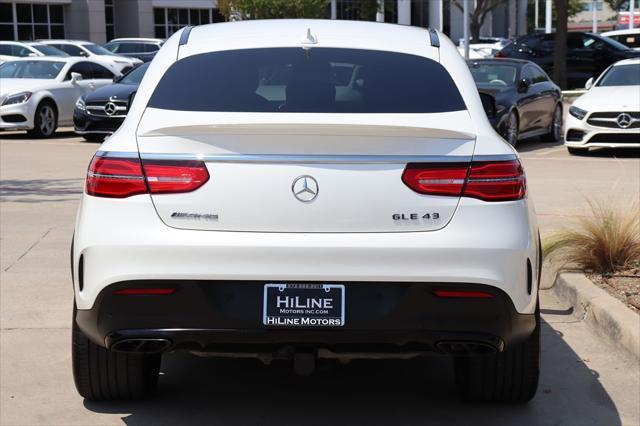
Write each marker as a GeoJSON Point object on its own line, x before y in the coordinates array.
{"type": "Point", "coordinates": [603, 313]}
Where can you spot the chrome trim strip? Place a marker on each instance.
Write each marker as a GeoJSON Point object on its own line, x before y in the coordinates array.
{"type": "Point", "coordinates": [500, 157]}
{"type": "Point", "coordinates": [613, 120]}
{"type": "Point", "coordinates": [109, 176]}
{"type": "Point", "coordinates": [89, 132]}
{"type": "Point", "coordinates": [117, 154]}
{"type": "Point", "coordinates": [286, 158]}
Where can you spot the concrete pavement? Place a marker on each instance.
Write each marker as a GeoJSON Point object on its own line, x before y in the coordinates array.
{"type": "Point", "coordinates": [584, 381]}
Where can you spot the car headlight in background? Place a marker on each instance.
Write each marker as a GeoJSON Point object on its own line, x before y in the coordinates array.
{"type": "Point", "coordinates": [577, 112]}
{"type": "Point", "coordinates": [18, 98]}
{"type": "Point", "coordinates": [81, 105]}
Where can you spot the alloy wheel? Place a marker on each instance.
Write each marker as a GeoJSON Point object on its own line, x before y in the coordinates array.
{"type": "Point", "coordinates": [47, 120]}
{"type": "Point", "coordinates": [512, 129]}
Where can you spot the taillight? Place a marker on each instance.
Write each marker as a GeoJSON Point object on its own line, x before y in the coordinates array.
{"type": "Point", "coordinates": [488, 181]}
{"type": "Point", "coordinates": [496, 181]}
{"type": "Point", "coordinates": [170, 177]}
{"type": "Point", "coordinates": [115, 177]}
{"type": "Point", "coordinates": [436, 178]}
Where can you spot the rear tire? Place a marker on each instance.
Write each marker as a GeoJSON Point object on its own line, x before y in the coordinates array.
{"type": "Point", "coordinates": [101, 375]}
{"type": "Point", "coordinates": [507, 377]}
{"type": "Point", "coordinates": [93, 137]}
{"type": "Point", "coordinates": [555, 132]}
{"type": "Point", "coordinates": [45, 121]}
{"type": "Point", "coordinates": [512, 131]}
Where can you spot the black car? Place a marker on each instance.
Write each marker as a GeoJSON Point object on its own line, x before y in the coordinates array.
{"type": "Point", "coordinates": [101, 112]}
{"type": "Point", "coordinates": [520, 99]}
{"type": "Point", "coordinates": [587, 54]}
{"type": "Point", "coordinates": [141, 48]}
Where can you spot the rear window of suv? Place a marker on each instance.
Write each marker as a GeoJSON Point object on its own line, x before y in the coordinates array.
{"type": "Point", "coordinates": [317, 80]}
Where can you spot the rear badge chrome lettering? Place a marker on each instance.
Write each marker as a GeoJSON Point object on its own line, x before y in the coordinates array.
{"type": "Point", "coordinates": [195, 216]}
{"type": "Point", "coordinates": [415, 216]}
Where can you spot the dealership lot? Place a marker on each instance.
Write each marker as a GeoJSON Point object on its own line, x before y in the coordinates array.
{"type": "Point", "coordinates": [583, 380]}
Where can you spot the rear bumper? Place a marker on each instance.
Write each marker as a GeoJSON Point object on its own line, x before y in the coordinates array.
{"type": "Point", "coordinates": [225, 316]}
{"type": "Point", "coordinates": [124, 240]}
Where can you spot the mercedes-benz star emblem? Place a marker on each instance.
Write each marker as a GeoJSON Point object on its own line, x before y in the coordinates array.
{"type": "Point", "coordinates": [110, 108]}
{"type": "Point", "coordinates": [305, 188]}
{"type": "Point", "coordinates": [624, 120]}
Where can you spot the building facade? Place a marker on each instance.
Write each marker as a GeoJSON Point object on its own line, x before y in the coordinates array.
{"type": "Point", "coordinates": [102, 20]}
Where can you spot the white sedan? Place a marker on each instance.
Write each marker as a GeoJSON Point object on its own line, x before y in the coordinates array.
{"type": "Point", "coordinates": [10, 50]}
{"type": "Point", "coordinates": [86, 49]}
{"type": "Point", "coordinates": [608, 115]}
{"type": "Point", "coordinates": [38, 94]}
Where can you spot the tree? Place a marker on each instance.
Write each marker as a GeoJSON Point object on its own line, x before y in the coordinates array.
{"type": "Point", "coordinates": [478, 13]}
{"type": "Point", "coordinates": [560, 51]}
{"type": "Point", "coordinates": [272, 9]}
{"type": "Point", "coordinates": [368, 9]}
{"type": "Point", "coordinates": [617, 4]}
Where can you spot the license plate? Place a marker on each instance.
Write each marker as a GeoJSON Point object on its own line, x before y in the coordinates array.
{"type": "Point", "coordinates": [303, 305]}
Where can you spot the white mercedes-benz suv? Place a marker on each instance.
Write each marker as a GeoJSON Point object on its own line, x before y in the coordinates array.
{"type": "Point", "coordinates": [301, 190]}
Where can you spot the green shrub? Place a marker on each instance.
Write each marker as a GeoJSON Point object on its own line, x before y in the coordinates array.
{"type": "Point", "coordinates": [605, 242]}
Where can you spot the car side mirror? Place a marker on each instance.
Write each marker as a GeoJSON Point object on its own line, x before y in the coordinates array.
{"type": "Point", "coordinates": [76, 77]}
{"type": "Point", "coordinates": [589, 84]}
{"type": "Point", "coordinates": [117, 78]}
{"type": "Point", "coordinates": [523, 85]}
{"type": "Point", "coordinates": [32, 55]}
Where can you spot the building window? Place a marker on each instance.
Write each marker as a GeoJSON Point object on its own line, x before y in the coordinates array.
{"type": "Point", "coordinates": [26, 21]}
{"type": "Point", "coordinates": [169, 20]}
{"type": "Point", "coordinates": [588, 7]}
{"type": "Point", "coordinates": [420, 13]}
{"type": "Point", "coordinates": [109, 19]}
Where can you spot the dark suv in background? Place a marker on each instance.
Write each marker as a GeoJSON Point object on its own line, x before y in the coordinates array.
{"type": "Point", "coordinates": [142, 48]}
{"type": "Point", "coordinates": [588, 55]}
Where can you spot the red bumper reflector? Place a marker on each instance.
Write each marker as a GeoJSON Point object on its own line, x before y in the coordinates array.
{"type": "Point", "coordinates": [138, 291]}
{"type": "Point", "coordinates": [463, 294]}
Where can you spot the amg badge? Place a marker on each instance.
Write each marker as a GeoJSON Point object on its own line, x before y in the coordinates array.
{"type": "Point", "coordinates": [195, 216]}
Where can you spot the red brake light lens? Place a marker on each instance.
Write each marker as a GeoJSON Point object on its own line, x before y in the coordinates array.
{"type": "Point", "coordinates": [145, 291]}
{"type": "Point", "coordinates": [488, 181]}
{"type": "Point", "coordinates": [170, 177]}
{"type": "Point", "coordinates": [436, 178]}
{"type": "Point", "coordinates": [496, 181]}
{"type": "Point", "coordinates": [456, 294]}
{"type": "Point", "coordinates": [114, 177]}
